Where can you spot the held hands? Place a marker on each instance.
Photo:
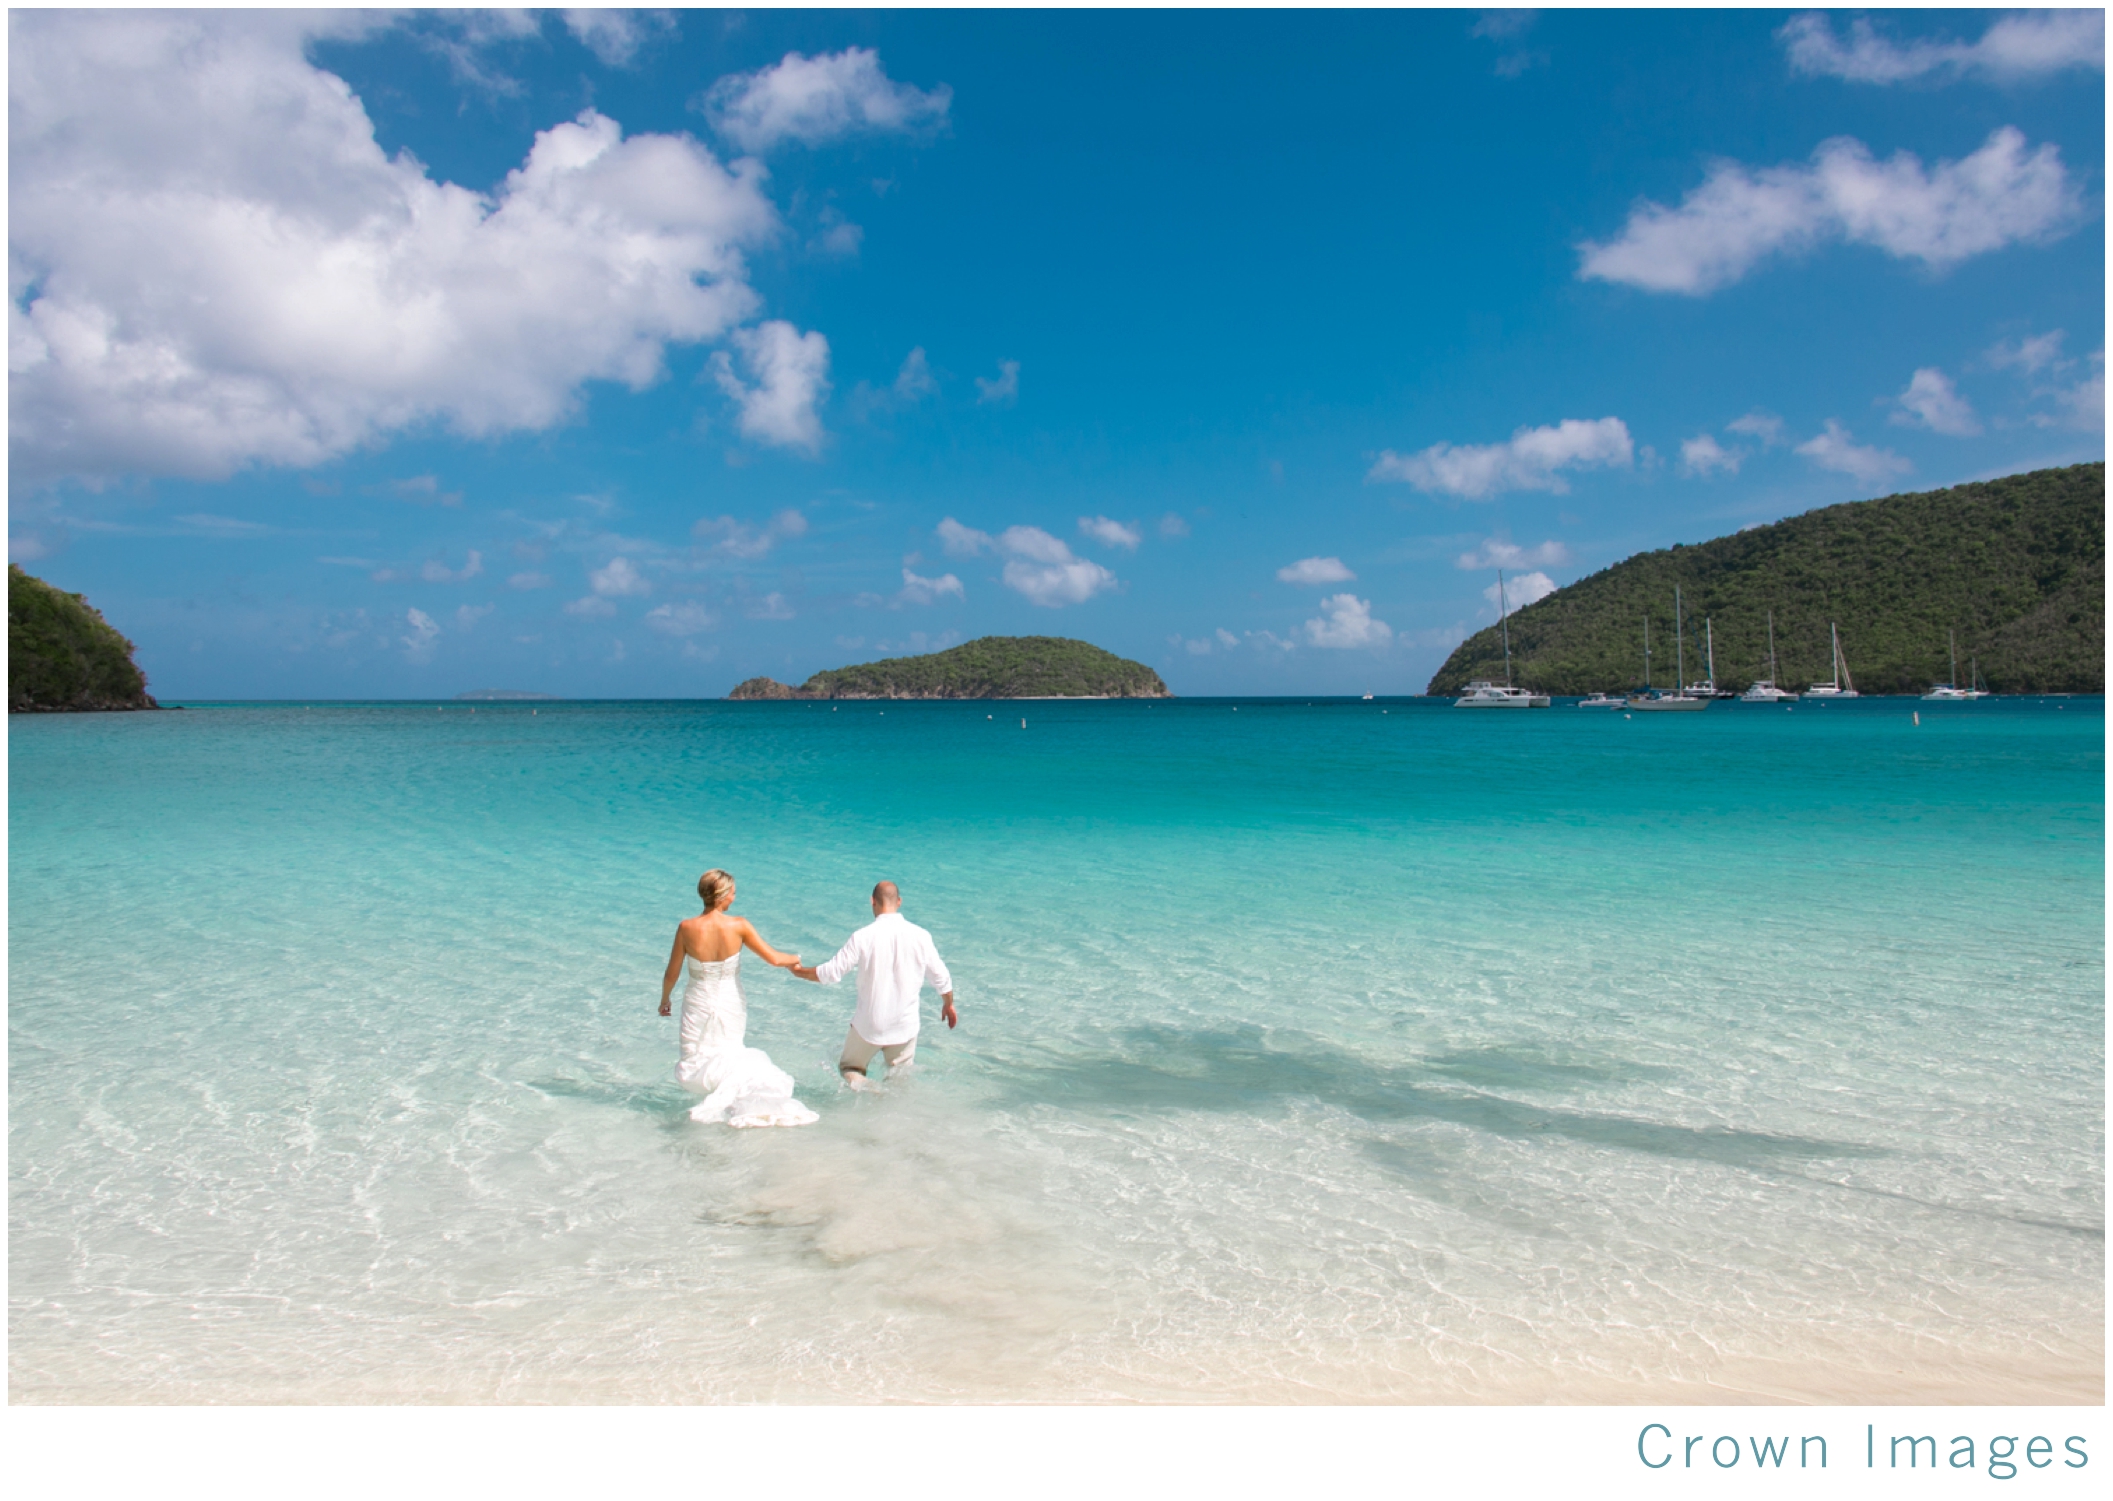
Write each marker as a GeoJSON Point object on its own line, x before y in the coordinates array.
{"type": "Point", "coordinates": [787, 961]}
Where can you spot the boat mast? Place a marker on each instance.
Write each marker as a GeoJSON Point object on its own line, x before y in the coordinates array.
{"type": "Point", "coordinates": [1504, 619]}
{"type": "Point", "coordinates": [1709, 640]}
{"type": "Point", "coordinates": [1771, 646]}
{"type": "Point", "coordinates": [1953, 638]}
{"type": "Point", "coordinates": [1647, 654]}
{"type": "Point", "coordinates": [1841, 663]}
{"type": "Point", "coordinates": [1679, 649]}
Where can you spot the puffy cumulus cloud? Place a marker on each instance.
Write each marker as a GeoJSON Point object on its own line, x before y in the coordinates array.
{"type": "Point", "coordinates": [425, 630]}
{"type": "Point", "coordinates": [1533, 460]}
{"type": "Point", "coordinates": [618, 578]}
{"type": "Point", "coordinates": [615, 36]}
{"type": "Point", "coordinates": [1932, 401]}
{"type": "Point", "coordinates": [1702, 456]}
{"type": "Point", "coordinates": [1111, 533]}
{"type": "Point", "coordinates": [2081, 405]}
{"type": "Point", "coordinates": [1834, 449]}
{"type": "Point", "coordinates": [1346, 621]}
{"type": "Point", "coordinates": [788, 376]}
{"type": "Point", "coordinates": [680, 618]}
{"type": "Point", "coordinates": [771, 606]}
{"type": "Point", "coordinates": [590, 607]}
{"type": "Point", "coordinates": [438, 572]}
{"type": "Point", "coordinates": [914, 381]}
{"type": "Point", "coordinates": [2016, 47]}
{"type": "Point", "coordinates": [734, 539]}
{"type": "Point", "coordinates": [1500, 552]}
{"type": "Point", "coordinates": [213, 263]}
{"type": "Point", "coordinates": [1520, 590]}
{"type": "Point", "coordinates": [1003, 391]}
{"type": "Point", "coordinates": [1041, 567]}
{"type": "Point", "coordinates": [1202, 646]}
{"type": "Point", "coordinates": [817, 99]}
{"type": "Point", "coordinates": [1766, 426]}
{"type": "Point", "coordinates": [962, 541]}
{"type": "Point", "coordinates": [919, 590]}
{"type": "Point", "coordinates": [2003, 194]}
{"type": "Point", "coordinates": [2029, 354]}
{"type": "Point", "coordinates": [1315, 571]}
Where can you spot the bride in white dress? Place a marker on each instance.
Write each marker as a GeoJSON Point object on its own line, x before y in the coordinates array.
{"type": "Point", "coordinates": [740, 1085]}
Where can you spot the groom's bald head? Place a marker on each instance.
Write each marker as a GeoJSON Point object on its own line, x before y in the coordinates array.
{"type": "Point", "coordinates": [886, 897]}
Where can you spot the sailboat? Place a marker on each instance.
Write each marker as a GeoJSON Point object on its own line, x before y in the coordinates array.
{"type": "Point", "coordinates": [1708, 688]}
{"type": "Point", "coordinates": [1839, 685]}
{"type": "Point", "coordinates": [1667, 701]}
{"type": "Point", "coordinates": [1766, 691]}
{"type": "Point", "coordinates": [1483, 694]}
{"type": "Point", "coordinates": [1950, 691]}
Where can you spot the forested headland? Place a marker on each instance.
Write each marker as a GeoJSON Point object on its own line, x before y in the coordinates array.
{"type": "Point", "coordinates": [2014, 567]}
{"type": "Point", "coordinates": [63, 656]}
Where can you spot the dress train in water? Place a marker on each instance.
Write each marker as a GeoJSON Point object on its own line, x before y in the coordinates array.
{"type": "Point", "coordinates": [740, 1085]}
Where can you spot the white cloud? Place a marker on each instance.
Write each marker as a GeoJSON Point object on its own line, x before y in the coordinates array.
{"type": "Point", "coordinates": [214, 263]}
{"type": "Point", "coordinates": [1346, 621]}
{"type": "Point", "coordinates": [771, 606]}
{"type": "Point", "coordinates": [818, 99]}
{"type": "Point", "coordinates": [914, 381]}
{"type": "Point", "coordinates": [425, 630]}
{"type": "Point", "coordinates": [1003, 391]}
{"type": "Point", "coordinates": [2016, 47]}
{"type": "Point", "coordinates": [2083, 405]}
{"type": "Point", "coordinates": [1521, 590]}
{"type": "Point", "coordinates": [223, 526]}
{"type": "Point", "coordinates": [1172, 526]}
{"type": "Point", "coordinates": [682, 618]}
{"type": "Point", "coordinates": [723, 534]}
{"type": "Point", "coordinates": [791, 375]}
{"type": "Point", "coordinates": [1703, 454]}
{"type": "Point", "coordinates": [1227, 639]}
{"type": "Point", "coordinates": [962, 541]}
{"type": "Point", "coordinates": [424, 490]}
{"type": "Point", "coordinates": [1199, 647]}
{"type": "Point", "coordinates": [2000, 195]}
{"type": "Point", "coordinates": [1315, 571]}
{"type": "Point", "coordinates": [437, 572]}
{"type": "Point", "coordinates": [591, 606]}
{"type": "Point", "coordinates": [1766, 426]}
{"type": "Point", "coordinates": [468, 615]}
{"type": "Point", "coordinates": [614, 36]}
{"type": "Point", "coordinates": [529, 581]}
{"type": "Point", "coordinates": [2029, 355]}
{"type": "Point", "coordinates": [1832, 449]}
{"type": "Point", "coordinates": [1931, 401]}
{"type": "Point", "coordinates": [1532, 460]}
{"type": "Point", "coordinates": [618, 578]}
{"type": "Point", "coordinates": [1111, 533]}
{"type": "Point", "coordinates": [918, 590]}
{"type": "Point", "coordinates": [1499, 552]}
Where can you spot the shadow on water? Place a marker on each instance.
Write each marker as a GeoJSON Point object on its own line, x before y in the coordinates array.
{"type": "Point", "coordinates": [1241, 1069]}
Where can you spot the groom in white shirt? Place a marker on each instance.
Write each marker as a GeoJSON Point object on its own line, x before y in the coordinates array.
{"type": "Point", "coordinates": [893, 957]}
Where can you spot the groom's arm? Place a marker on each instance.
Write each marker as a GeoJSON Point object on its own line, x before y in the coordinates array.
{"type": "Point", "coordinates": [935, 974]}
{"type": "Point", "coordinates": [829, 971]}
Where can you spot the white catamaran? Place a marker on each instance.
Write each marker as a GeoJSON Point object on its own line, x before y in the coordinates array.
{"type": "Point", "coordinates": [1708, 688]}
{"type": "Point", "coordinates": [1839, 686]}
{"type": "Point", "coordinates": [1950, 691]}
{"type": "Point", "coordinates": [1483, 694]}
{"type": "Point", "coordinates": [1766, 691]}
{"type": "Point", "coordinates": [1669, 702]}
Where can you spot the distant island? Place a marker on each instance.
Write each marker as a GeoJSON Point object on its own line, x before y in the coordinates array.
{"type": "Point", "coordinates": [63, 657]}
{"type": "Point", "coordinates": [2015, 567]}
{"type": "Point", "coordinates": [989, 667]}
{"type": "Point", "coordinates": [505, 696]}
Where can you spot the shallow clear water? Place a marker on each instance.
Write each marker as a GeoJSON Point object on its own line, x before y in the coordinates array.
{"type": "Point", "coordinates": [1307, 1052]}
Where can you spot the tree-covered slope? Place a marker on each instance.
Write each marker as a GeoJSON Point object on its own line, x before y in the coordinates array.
{"type": "Point", "coordinates": [990, 667]}
{"type": "Point", "coordinates": [2015, 566]}
{"type": "Point", "coordinates": [62, 654]}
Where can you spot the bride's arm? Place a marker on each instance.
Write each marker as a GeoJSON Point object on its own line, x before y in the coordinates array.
{"type": "Point", "coordinates": [671, 974]}
{"type": "Point", "coordinates": [764, 951]}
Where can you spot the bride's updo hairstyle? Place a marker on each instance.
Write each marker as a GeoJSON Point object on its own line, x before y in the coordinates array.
{"type": "Point", "coordinates": [716, 888]}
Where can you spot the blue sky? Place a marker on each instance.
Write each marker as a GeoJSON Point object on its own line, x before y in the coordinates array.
{"type": "Point", "coordinates": [620, 354]}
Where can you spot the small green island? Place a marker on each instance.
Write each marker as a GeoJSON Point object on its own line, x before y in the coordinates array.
{"type": "Point", "coordinates": [63, 657]}
{"type": "Point", "coordinates": [989, 667]}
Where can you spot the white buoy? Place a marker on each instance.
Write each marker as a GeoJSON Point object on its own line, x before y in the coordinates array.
{"type": "Point", "coordinates": [1918, 716]}
{"type": "Point", "coordinates": [1023, 724]}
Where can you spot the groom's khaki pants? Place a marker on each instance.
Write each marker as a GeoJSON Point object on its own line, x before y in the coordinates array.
{"type": "Point", "coordinates": [858, 1052]}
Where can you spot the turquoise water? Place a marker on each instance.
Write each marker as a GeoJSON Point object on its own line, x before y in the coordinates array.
{"type": "Point", "coordinates": [1337, 1052]}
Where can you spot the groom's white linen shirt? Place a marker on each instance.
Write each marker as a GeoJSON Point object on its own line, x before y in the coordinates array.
{"type": "Point", "coordinates": [893, 957]}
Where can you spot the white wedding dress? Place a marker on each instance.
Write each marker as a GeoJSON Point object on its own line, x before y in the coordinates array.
{"type": "Point", "coordinates": [740, 1085]}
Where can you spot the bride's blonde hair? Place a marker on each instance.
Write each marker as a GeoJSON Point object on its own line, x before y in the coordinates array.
{"type": "Point", "coordinates": [716, 888]}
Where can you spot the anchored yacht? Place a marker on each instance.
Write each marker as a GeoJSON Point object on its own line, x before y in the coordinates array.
{"type": "Point", "coordinates": [1667, 702]}
{"type": "Point", "coordinates": [1482, 694]}
{"type": "Point", "coordinates": [1951, 692]}
{"type": "Point", "coordinates": [1766, 691]}
{"type": "Point", "coordinates": [1839, 685]}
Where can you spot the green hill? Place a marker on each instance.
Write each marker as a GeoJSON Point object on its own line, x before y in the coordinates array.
{"type": "Point", "coordinates": [990, 667]}
{"type": "Point", "coordinates": [2015, 566]}
{"type": "Point", "coordinates": [62, 654]}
